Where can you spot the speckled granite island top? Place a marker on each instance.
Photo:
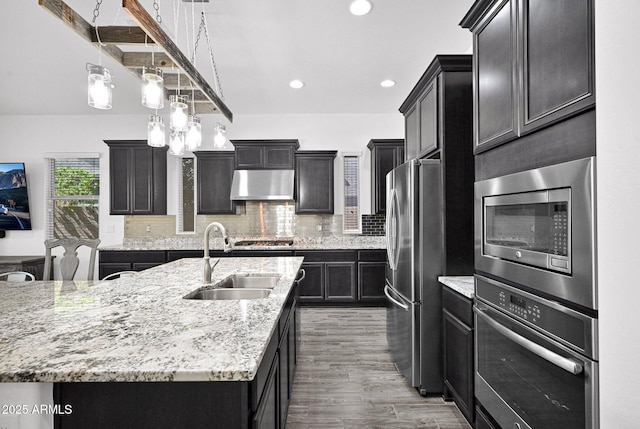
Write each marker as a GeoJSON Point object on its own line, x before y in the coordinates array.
{"type": "Point", "coordinates": [139, 328]}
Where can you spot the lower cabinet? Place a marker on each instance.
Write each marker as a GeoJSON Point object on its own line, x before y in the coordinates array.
{"type": "Point", "coordinates": [268, 414]}
{"type": "Point", "coordinates": [371, 276]}
{"type": "Point", "coordinates": [330, 276]}
{"type": "Point", "coordinates": [114, 261]}
{"type": "Point", "coordinates": [457, 312]}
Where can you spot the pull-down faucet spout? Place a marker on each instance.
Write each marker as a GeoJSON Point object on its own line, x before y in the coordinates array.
{"type": "Point", "coordinates": [206, 277]}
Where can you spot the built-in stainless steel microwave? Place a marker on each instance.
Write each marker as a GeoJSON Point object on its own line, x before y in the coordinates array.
{"type": "Point", "coordinates": [536, 228]}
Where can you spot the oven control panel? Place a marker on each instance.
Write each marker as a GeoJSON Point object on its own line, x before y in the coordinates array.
{"type": "Point", "coordinates": [546, 316]}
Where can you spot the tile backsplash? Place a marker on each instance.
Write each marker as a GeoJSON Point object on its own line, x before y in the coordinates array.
{"type": "Point", "coordinates": [255, 219]}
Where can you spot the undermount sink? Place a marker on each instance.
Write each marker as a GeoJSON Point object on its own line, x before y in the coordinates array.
{"type": "Point", "coordinates": [238, 286]}
{"type": "Point", "coordinates": [240, 281]}
{"type": "Point", "coordinates": [228, 294]}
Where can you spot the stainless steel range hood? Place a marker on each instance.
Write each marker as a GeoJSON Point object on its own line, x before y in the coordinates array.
{"type": "Point", "coordinates": [256, 185]}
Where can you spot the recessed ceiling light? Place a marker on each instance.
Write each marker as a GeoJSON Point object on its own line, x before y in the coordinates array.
{"type": "Point", "coordinates": [296, 84]}
{"type": "Point", "coordinates": [388, 83]}
{"type": "Point", "coordinates": [360, 7]}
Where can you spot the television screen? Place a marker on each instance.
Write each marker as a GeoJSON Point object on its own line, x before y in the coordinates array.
{"type": "Point", "coordinates": [14, 201]}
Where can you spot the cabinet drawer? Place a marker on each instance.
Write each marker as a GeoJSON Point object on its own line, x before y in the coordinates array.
{"type": "Point", "coordinates": [327, 255]}
{"type": "Point", "coordinates": [458, 305]}
{"type": "Point", "coordinates": [132, 256]}
{"type": "Point", "coordinates": [372, 255]}
{"type": "Point", "coordinates": [174, 255]}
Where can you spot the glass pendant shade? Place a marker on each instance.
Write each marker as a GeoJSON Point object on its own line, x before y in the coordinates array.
{"type": "Point", "coordinates": [176, 143]}
{"type": "Point", "coordinates": [99, 91]}
{"type": "Point", "coordinates": [219, 138]}
{"type": "Point", "coordinates": [178, 115]}
{"type": "Point", "coordinates": [193, 137]}
{"type": "Point", "coordinates": [152, 88]}
{"type": "Point", "coordinates": [155, 131]}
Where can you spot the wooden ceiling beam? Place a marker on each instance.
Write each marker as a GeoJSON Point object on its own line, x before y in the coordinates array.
{"type": "Point", "coordinates": [196, 95]}
{"type": "Point", "coordinates": [122, 35]}
{"type": "Point", "coordinates": [137, 60]}
{"type": "Point", "coordinates": [64, 13]}
{"type": "Point", "coordinates": [151, 27]}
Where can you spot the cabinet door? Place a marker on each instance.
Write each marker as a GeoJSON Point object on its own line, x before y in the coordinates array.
{"type": "Point", "coordinates": [412, 143]}
{"type": "Point", "coordinates": [142, 180]}
{"type": "Point", "coordinates": [495, 89]}
{"type": "Point", "coordinates": [314, 183]}
{"type": "Point", "coordinates": [312, 286]}
{"type": "Point", "coordinates": [283, 378]}
{"type": "Point", "coordinates": [249, 157]}
{"type": "Point", "coordinates": [371, 281]}
{"type": "Point", "coordinates": [458, 362]}
{"type": "Point", "coordinates": [119, 170]}
{"type": "Point", "coordinates": [428, 129]}
{"type": "Point", "coordinates": [104, 269]}
{"type": "Point", "coordinates": [340, 281]}
{"type": "Point", "coordinates": [278, 157]}
{"type": "Point", "coordinates": [557, 58]}
{"type": "Point", "coordinates": [384, 161]}
{"type": "Point", "coordinates": [215, 173]}
{"type": "Point", "coordinates": [268, 412]}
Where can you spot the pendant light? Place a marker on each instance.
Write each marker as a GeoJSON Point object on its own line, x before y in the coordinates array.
{"type": "Point", "coordinates": [193, 136]}
{"type": "Point", "coordinates": [99, 91]}
{"type": "Point", "coordinates": [155, 131]}
{"type": "Point", "coordinates": [219, 136]}
{"type": "Point", "coordinates": [152, 87]}
{"type": "Point", "coordinates": [178, 116]}
{"type": "Point", "coordinates": [176, 143]}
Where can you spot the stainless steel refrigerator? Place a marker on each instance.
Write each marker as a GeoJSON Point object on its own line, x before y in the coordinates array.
{"type": "Point", "coordinates": [415, 255]}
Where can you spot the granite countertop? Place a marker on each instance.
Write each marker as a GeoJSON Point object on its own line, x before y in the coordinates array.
{"type": "Point", "coordinates": [464, 285]}
{"type": "Point", "coordinates": [299, 243]}
{"type": "Point", "coordinates": [139, 327]}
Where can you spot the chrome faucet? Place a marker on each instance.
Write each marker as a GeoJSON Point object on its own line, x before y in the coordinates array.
{"type": "Point", "coordinates": [206, 278]}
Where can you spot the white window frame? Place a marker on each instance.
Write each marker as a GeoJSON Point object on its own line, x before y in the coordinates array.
{"type": "Point", "coordinates": [357, 156]}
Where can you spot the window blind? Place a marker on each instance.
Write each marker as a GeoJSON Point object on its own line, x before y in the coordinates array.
{"type": "Point", "coordinates": [352, 222]}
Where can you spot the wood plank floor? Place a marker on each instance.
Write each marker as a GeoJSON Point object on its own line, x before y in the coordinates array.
{"type": "Point", "coordinates": [346, 377]}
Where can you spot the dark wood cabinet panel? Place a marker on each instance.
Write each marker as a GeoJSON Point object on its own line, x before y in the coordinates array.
{"type": "Point", "coordinates": [496, 96]}
{"type": "Point", "coordinates": [371, 280]}
{"type": "Point", "coordinates": [533, 66]}
{"type": "Point", "coordinates": [137, 178]}
{"type": "Point", "coordinates": [113, 261]}
{"type": "Point", "coordinates": [457, 326]}
{"type": "Point", "coordinates": [340, 281]}
{"type": "Point", "coordinates": [268, 413]}
{"type": "Point", "coordinates": [214, 176]}
{"type": "Point", "coordinates": [557, 58]}
{"type": "Point", "coordinates": [311, 288]}
{"type": "Point", "coordinates": [386, 154]}
{"type": "Point", "coordinates": [314, 182]}
{"type": "Point", "coordinates": [428, 107]}
{"type": "Point", "coordinates": [265, 154]}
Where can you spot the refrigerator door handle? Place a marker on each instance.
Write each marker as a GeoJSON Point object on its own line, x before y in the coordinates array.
{"type": "Point", "coordinates": [392, 230]}
{"type": "Point", "coordinates": [393, 300]}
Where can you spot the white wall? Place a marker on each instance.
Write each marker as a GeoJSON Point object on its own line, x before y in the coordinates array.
{"type": "Point", "coordinates": [618, 192]}
{"type": "Point", "coordinates": [27, 138]}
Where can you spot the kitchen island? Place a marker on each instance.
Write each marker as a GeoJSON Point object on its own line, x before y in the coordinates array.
{"type": "Point", "coordinates": [134, 353]}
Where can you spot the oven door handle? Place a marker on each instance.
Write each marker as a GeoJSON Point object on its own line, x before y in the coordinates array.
{"type": "Point", "coordinates": [568, 365]}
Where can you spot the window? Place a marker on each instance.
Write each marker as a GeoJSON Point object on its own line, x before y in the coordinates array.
{"type": "Point", "coordinates": [186, 220]}
{"type": "Point", "coordinates": [352, 223]}
{"type": "Point", "coordinates": [73, 190]}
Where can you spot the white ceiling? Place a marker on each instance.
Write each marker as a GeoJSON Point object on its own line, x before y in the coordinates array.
{"type": "Point", "coordinates": [259, 46]}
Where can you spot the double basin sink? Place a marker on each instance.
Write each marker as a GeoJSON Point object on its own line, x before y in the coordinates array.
{"type": "Point", "coordinates": [238, 286]}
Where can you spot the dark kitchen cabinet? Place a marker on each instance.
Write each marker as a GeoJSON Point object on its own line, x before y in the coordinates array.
{"type": "Point", "coordinates": [265, 154]}
{"type": "Point", "coordinates": [371, 276]}
{"type": "Point", "coordinates": [137, 178]}
{"type": "Point", "coordinates": [533, 65]}
{"type": "Point", "coordinates": [439, 108]}
{"type": "Point", "coordinates": [215, 173]}
{"type": "Point", "coordinates": [457, 313]}
{"type": "Point", "coordinates": [314, 181]}
{"type": "Point", "coordinates": [330, 276]}
{"type": "Point", "coordinates": [268, 414]}
{"type": "Point", "coordinates": [386, 154]}
{"type": "Point", "coordinates": [113, 261]}
{"type": "Point", "coordinates": [340, 282]}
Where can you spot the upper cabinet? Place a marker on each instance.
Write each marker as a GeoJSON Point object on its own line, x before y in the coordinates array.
{"type": "Point", "coordinates": [314, 181]}
{"type": "Point", "coordinates": [137, 178]}
{"type": "Point", "coordinates": [215, 172]}
{"type": "Point", "coordinates": [533, 65]}
{"type": "Point", "coordinates": [265, 154]}
{"type": "Point", "coordinates": [440, 99]}
{"type": "Point", "coordinates": [386, 154]}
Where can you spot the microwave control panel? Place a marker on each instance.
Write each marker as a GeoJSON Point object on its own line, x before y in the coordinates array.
{"type": "Point", "coordinates": [560, 229]}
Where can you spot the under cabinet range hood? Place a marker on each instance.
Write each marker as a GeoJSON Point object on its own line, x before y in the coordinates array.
{"type": "Point", "coordinates": [257, 185]}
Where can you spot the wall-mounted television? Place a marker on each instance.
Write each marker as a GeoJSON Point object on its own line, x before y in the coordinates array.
{"type": "Point", "coordinates": [14, 199]}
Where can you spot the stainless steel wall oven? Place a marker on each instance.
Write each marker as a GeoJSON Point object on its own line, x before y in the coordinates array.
{"type": "Point", "coordinates": [536, 360]}
{"type": "Point", "coordinates": [536, 229]}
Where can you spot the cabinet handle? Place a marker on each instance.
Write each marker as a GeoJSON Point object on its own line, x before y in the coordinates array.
{"type": "Point", "coordinates": [304, 274]}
